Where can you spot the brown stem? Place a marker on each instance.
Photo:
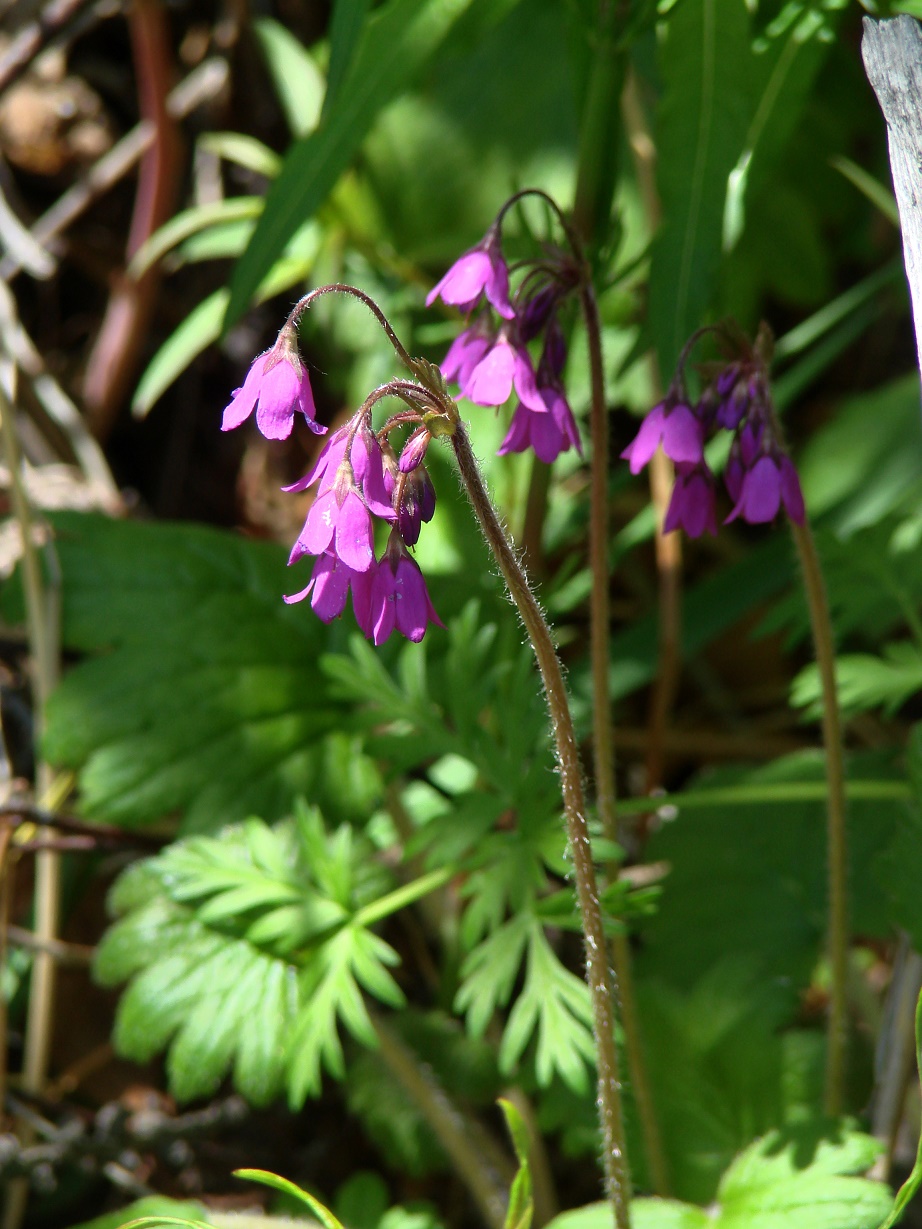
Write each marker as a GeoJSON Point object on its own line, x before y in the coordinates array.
{"type": "Point", "coordinates": [124, 331]}
{"type": "Point", "coordinates": [598, 975]}
{"type": "Point", "coordinates": [837, 938]}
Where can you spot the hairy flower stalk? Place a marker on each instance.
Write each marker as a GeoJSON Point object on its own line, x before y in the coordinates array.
{"type": "Point", "coordinates": [360, 479]}
{"type": "Point", "coordinates": [598, 974]}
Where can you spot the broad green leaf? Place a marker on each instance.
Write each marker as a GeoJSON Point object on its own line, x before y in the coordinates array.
{"type": "Point", "coordinates": [396, 42]}
{"type": "Point", "coordinates": [201, 693]}
{"type": "Point", "coordinates": [190, 222]}
{"type": "Point", "coordinates": [792, 1179]}
{"type": "Point", "coordinates": [750, 881]}
{"type": "Point", "coordinates": [645, 1214]}
{"type": "Point", "coordinates": [299, 83]}
{"type": "Point", "coordinates": [203, 987]}
{"type": "Point", "coordinates": [706, 66]}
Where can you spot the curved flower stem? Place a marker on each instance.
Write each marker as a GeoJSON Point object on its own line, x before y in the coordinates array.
{"type": "Point", "coordinates": [837, 938]}
{"type": "Point", "coordinates": [598, 975]}
{"type": "Point", "coordinates": [342, 288]}
{"type": "Point", "coordinates": [603, 738]}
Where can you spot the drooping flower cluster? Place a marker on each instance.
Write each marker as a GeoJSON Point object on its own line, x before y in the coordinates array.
{"type": "Point", "coordinates": [359, 480]}
{"type": "Point", "coordinates": [490, 360]}
{"type": "Point", "coordinates": [760, 476]}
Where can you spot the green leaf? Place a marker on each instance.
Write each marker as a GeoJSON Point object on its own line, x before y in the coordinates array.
{"type": "Point", "coordinates": [645, 1214]}
{"type": "Point", "coordinates": [784, 67]}
{"type": "Point", "coordinates": [864, 681]}
{"type": "Point", "coordinates": [798, 1178]}
{"type": "Point", "coordinates": [750, 880]}
{"type": "Point", "coordinates": [880, 196]}
{"type": "Point", "coordinates": [246, 151]}
{"type": "Point", "coordinates": [323, 1213]}
{"type": "Point", "coordinates": [521, 1203]}
{"type": "Point", "coordinates": [346, 24]}
{"type": "Point", "coordinates": [189, 222]}
{"type": "Point", "coordinates": [554, 1003]}
{"type": "Point", "coordinates": [706, 66]}
{"type": "Point", "coordinates": [205, 986]}
{"type": "Point", "coordinates": [396, 42]}
{"type": "Point", "coordinates": [201, 692]}
{"type": "Point", "coordinates": [298, 82]}
{"type": "Point", "coordinates": [151, 1206]}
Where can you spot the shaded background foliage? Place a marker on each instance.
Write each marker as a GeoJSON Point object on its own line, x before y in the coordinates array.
{"type": "Point", "coordinates": [297, 780]}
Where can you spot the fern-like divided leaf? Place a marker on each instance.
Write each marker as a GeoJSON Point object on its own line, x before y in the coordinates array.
{"type": "Point", "coordinates": [244, 955]}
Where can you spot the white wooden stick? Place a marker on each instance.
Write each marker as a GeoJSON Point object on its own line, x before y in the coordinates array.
{"type": "Point", "coordinates": [892, 54]}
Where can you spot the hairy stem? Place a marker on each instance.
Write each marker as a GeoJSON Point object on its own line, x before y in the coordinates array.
{"type": "Point", "coordinates": [603, 738]}
{"type": "Point", "coordinates": [837, 938]}
{"type": "Point", "coordinates": [598, 975]}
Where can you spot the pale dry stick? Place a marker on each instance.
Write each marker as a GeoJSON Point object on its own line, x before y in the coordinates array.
{"type": "Point", "coordinates": [837, 937]}
{"type": "Point", "coordinates": [486, 1172]}
{"type": "Point", "coordinates": [23, 49]}
{"type": "Point", "coordinates": [202, 84]}
{"type": "Point", "coordinates": [894, 1059]}
{"type": "Point", "coordinates": [42, 625]}
{"type": "Point", "coordinates": [598, 974]}
{"type": "Point", "coordinates": [56, 403]}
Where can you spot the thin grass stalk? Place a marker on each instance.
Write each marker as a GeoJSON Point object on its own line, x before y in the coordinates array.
{"type": "Point", "coordinates": [603, 737]}
{"type": "Point", "coordinates": [837, 846]}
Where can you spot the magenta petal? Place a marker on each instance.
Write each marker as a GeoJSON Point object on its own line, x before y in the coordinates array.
{"type": "Point", "coordinates": [368, 466]}
{"type": "Point", "coordinates": [682, 435]}
{"type": "Point", "coordinates": [414, 610]}
{"type": "Point", "coordinates": [646, 441]}
{"type": "Point", "coordinates": [353, 533]}
{"type": "Point", "coordinates": [278, 394]}
{"type": "Point", "coordinates": [464, 281]}
{"type": "Point", "coordinates": [381, 603]}
{"type": "Point", "coordinates": [760, 497]}
{"type": "Point", "coordinates": [290, 598]}
{"type": "Point", "coordinates": [523, 377]}
{"type": "Point", "coordinates": [361, 598]}
{"type": "Point", "coordinates": [331, 587]}
{"type": "Point", "coordinates": [490, 382]}
{"type": "Point", "coordinates": [517, 437]}
{"type": "Point", "coordinates": [244, 399]}
{"type": "Point", "coordinates": [321, 523]}
{"type": "Point", "coordinates": [497, 288]}
{"type": "Point", "coordinates": [464, 353]}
